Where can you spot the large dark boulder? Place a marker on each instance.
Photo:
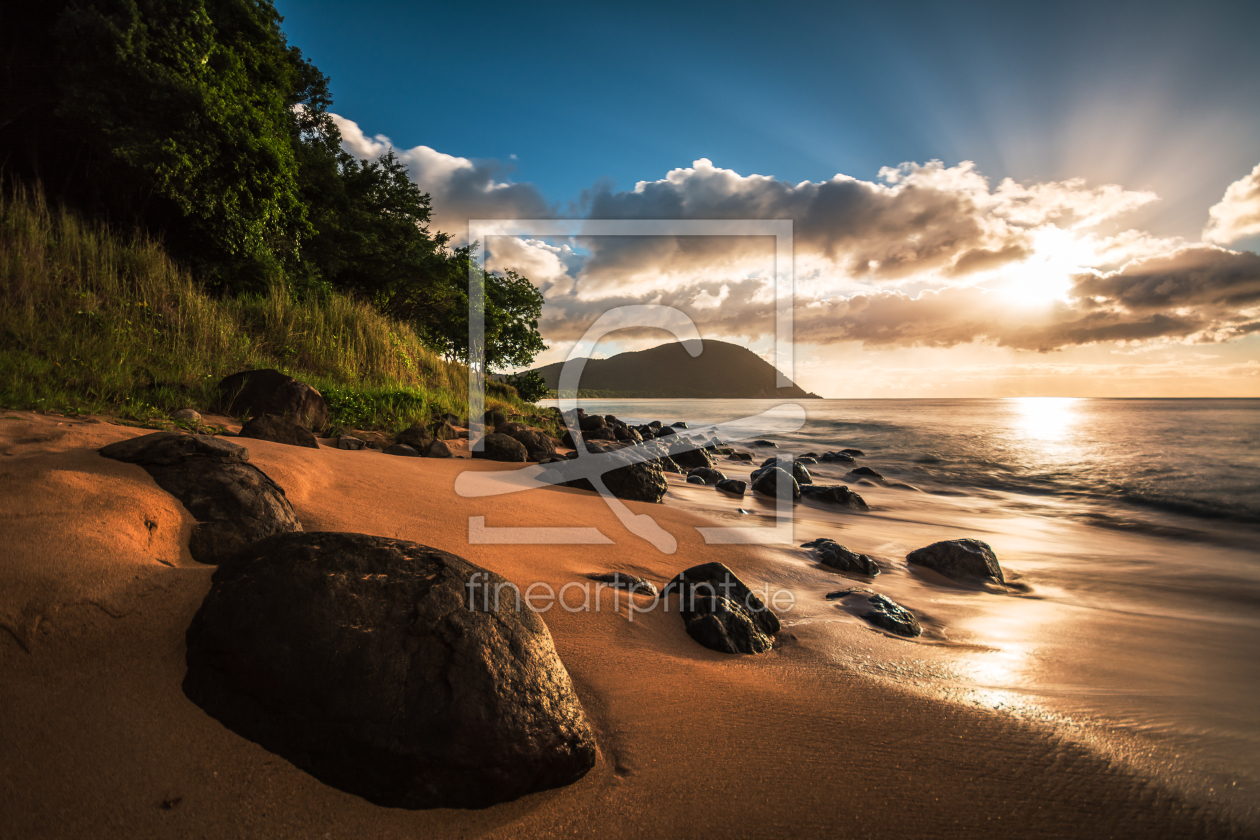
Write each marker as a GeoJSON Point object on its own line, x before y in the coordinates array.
{"type": "Point", "coordinates": [959, 559]}
{"type": "Point", "coordinates": [278, 430]}
{"type": "Point", "coordinates": [834, 494]}
{"type": "Point", "coordinates": [234, 502]}
{"type": "Point", "coordinates": [866, 472]}
{"type": "Point", "coordinates": [887, 614]}
{"type": "Point", "coordinates": [799, 472]}
{"type": "Point", "coordinates": [767, 483]}
{"type": "Point", "coordinates": [734, 486]}
{"type": "Point", "coordinates": [493, 419]}
{"type": "Point", "coordinates": [625, 478]}
{"type": "Point", "coordinates": [831, 553]}
{"type": "Point", "coordinates": [389, 670]}
{"type": "Point", "coordinates": [538, 445]}
{"type": "Point", "coordinates": [501, 448]}
{"type": "Point", "coordinates": [721, 612]}
{"type": "Point", "coordinates": [591, 422]}
{"type": "Point", "coordinates": [437, 449]}
{"type": "Point", "coordinates": [442, 430]}
{"type": "Point", "coordinates": [257, 392]}
{"type": "Point", "coordinates": [625, 433]}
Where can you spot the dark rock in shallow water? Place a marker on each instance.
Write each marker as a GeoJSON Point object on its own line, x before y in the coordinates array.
{"type": "Point", "coordinates": [866, 472]}
{"type": "Point", "coordinates": [733, 486]}
{"type": "Point", "coordinates": [624, 433]}
{"type": "Point", "coordinates": [360, 660]}
{"type": "Point", "coordinates": [740, 456]}
{"type": "Point", "coordinates": [807, 460]}
{"type": "Point", "coordinates": [688, 457]}
{"type": "Point", "coordinates": [799, 472]}
{"type": "Point", "coordinates": [501, 448]}
{"type": "Point", "coordinates": [835, 494]}
{"type": "Point", "coordinates": [767, 483]}
{"type": "Point", "coordinates": [258, 392]}
{"type": "Point", "coordinates": [721, 612]}
{"type": "Point", "coordinates": [831, 457]}
{"type": "Point", "coordinates": [831, 553]}
{"type": "Point", "coordinates": [853, 453]}
{"type": "Point", "coordinates": [681, 424]}
{"type": "Point", "coordinates": [278, 430]}
{"type": "Point", "coordinates": [631, 583]}
{"type": "Point", "coordinates": [234, 502]}
{"type": "Point", "coordinates": [964, 558]}
{"type": "Point", "coordinates": [695, 479]}
{"type": "Point", "coordinates": [707, 475]}
{"type": "Point", "coordinates": [403, 450]}
{"type": "Point", "coordinates": [768, 443]}
{"type": "Point", "coordinates": [891, 616]}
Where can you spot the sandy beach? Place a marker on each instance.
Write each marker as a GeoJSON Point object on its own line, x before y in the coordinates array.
{"type": "Point", "coordinates": [97, 589]}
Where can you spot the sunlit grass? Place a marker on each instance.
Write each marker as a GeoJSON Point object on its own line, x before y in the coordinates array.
{"type": "Point", "coordinates": [91, 322]}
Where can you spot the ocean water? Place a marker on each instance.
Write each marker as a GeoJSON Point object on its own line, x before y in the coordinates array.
{"type": "Point", "coordinates": [1131, 529]}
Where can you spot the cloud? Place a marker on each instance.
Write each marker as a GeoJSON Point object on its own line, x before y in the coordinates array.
{"type": "Point", "coordinates": [1237, 214]}
{"type": "Point", "coordinates": [461, 188]}
{"type": "Point", "coordinates": [1199, 276]}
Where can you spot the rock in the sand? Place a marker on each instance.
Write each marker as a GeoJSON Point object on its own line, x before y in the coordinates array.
{"type": "Point", "coordinates": [853, 453]}
{"type": "Point", "coordinates": [625, 433]}
{"type": "Point", "coordinates": [959, 559]}
{"type": "Point", "coordinates": [437, 449]}
{"type": "Point", "coordinates": [687, 456]}
{"type": "Point", "coordinates": [234, 502]}
{"type": "Point", "coordinates": [835, 494]}
{"type": "Point", "coordinates": [740, 456]}
{"type": "Point", "coordinates": [278, 430]}
{"type": "Point", "coordinates": [891, 616]}
{"type": "Point", "coordinates": [707, 475]}
{"type": "Point", "coordinates": [695, 479]}
{"type": "Point", "coordinates": [831, 457]}
{"type": "Point", "coordinates": [493, 419]}
{"type": "Point", "coordinates": [256, 392]}
{"type": "Point", "coordinates": [721, 612]}
{"type": "Point", "coordinates": [187, 415]}
{"type": "Point", "coordinates": [350, 443]}
{"type": "Point", "coordinates": [625, 478]}
{"type": "Point", "coordinates": [831, 553]}
{"type": "Point", "coordinates": [417, 437]}
{"type": "Point", "coordinates": [681, 424]}
{"type": "Point", "coordinates": [631, 583]}
{"type": "Point", "coordinates": [538, 445]}
{"type": "Point", "coordinates": [733, 486]}
{"type": "Point", "coordinates": [665, 431]}
{"type": "Point", "coordinates": [441, 430]}
{"type": "Point", "coordinates": [767, 483]}
{"type": "Point", "coordinates": [403, 450]}
{"type": "Point", "coordinates": [807, 460]}
{"type": "Point", "coordinates": [866, 472]}
{"type": "Point", "coordinates": [377, 666]}
{"type": "Point", "coordinates": [767, 443]}
{"type": "Point", "coordinates": [501, 448]}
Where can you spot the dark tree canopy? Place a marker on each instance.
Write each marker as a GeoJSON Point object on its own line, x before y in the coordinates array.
{"type": "Point", "coordinates": [198, 122]}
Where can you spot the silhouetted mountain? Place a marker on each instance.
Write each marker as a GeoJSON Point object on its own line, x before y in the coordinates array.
{"type": "Point", "coordinates": [724, 371]}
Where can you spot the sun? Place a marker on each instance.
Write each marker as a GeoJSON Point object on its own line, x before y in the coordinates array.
{"type": "Point", "coordinates": [1045, 277]}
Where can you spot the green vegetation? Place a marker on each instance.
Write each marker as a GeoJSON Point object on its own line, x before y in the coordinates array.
{"type": "Point", "coordinates": [195, 123]}
{"type": "Point", "coordinates": [94, 322]}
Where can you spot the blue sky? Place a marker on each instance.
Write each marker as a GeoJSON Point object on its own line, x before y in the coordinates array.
{"type": "Point", "coordinates": [576, 103]}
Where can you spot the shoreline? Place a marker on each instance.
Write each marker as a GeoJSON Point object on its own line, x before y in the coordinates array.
{"type": "Point", "coordinates": [783, 744]}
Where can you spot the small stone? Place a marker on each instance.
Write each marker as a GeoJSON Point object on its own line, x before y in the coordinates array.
{"type": "Point", "coordinates": [187, 415]}
{"type": "Point", "coordinates": [891, 616]}
{"type": "Point", "coordinates": [401, 449]}
{"type": "Point", "coordinates": [351, 443]}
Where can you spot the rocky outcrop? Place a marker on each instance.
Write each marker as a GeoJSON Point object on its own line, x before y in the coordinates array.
{"type": "Point", "coordinates": [887, 614]}
{"type": "Point", "coordinates": [501, 448]}
{"type": "Point", "coordinates": [538, 445]}
{"type": "Point", "coordinates": [831, 553]}
{"type": "Point", "coordinates": [377, 666]}
{"type": "Point", "coordinates": [721, 612]}
{"type": "Point", "coordinates": [959, 559]}
{"type": "Point", "coordinates": [417, 437]}
{"type": "Point", "coordinates": [278, 430]}
{"type": "Point", "coordinates": [234, 502]}
{"type": "Point", "coordinates": [258, 392]}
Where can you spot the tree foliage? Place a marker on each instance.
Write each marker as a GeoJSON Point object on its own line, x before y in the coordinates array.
{"type": "Point", "coordinates": [196, 120]}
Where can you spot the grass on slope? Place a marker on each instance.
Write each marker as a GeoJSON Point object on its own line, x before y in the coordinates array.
{"type": "Point", "coordinates": [91, 322]}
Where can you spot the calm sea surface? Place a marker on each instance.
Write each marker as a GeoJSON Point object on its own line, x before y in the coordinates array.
{"type": "Point", "coordinates": [1133, 527]}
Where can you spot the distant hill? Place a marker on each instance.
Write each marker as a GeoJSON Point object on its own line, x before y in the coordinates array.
{"type": "Point", "coordinates": [721, 371]}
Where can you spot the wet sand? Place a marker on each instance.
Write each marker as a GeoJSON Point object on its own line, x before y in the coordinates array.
{"type": "Point", "coordinates": [97, 589]}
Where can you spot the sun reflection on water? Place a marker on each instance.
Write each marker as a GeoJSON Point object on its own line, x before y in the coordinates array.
{"type": "Point", "coordinates": [1048, 419]}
